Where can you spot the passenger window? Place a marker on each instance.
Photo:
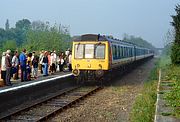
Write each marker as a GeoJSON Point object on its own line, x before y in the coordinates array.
{"type": "Point", "coordinates": [114, 50]}
{"type": "Point", "coordinates": [117, 52]}
{"type": "Point", "coordinates": [122, 52]}
{"type": "Point", "coordinates": [119, 48]}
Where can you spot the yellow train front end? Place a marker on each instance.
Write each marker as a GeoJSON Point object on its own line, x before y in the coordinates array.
{"type": "Point", "coordinates": [90, 59]}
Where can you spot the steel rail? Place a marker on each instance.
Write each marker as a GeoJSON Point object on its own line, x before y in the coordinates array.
{"type": "Point", "coordinates": [57, 104]}
{"type": "Point", "coordinates": [14, 113]}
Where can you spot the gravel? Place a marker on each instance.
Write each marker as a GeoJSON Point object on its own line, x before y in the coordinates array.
{"type": "Point", "coordinates": [113, 103]}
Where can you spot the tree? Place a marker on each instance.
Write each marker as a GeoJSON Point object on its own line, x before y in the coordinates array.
{"type": "Point", "coordinates": [22, 27]}
{"type": "Point", "coordinates": [23, 24]}
{"type": "Point", "coordinates": [168, 39]}
{"type": "Point", "coordinates": [175, 54]}
{"type": "Point", "coordinates": [44, 36]}
{"type": "Point", "coordinates": [138, 41]}
{"type": "Point", "coordinates": [39, 26]}
{"type": "Point", "coordinates": [9, 44]}
{"type": "Point", "coordinates": [7, 25]}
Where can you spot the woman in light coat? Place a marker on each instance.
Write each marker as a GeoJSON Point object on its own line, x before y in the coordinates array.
{"type": "Point", "coordinates": [3, 67]}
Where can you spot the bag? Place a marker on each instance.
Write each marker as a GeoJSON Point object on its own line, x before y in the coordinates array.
{"type": "Point", "coordinates": [28, 69]}
{"type": "Point", "coordinates": [13, 70]}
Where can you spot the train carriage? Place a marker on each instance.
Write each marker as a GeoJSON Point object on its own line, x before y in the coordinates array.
{"type": "Point", "coordinates": [94, 56]}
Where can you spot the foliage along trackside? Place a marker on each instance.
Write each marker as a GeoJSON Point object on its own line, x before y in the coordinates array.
{"type": "Point", "coordinates": [34, 36]}
{"type": "Point", "coordinates": [144, 106]}
{"type": "Point", "coordinates": [172, 73]}
{"type": "Point", "coordinates": [175, 55]}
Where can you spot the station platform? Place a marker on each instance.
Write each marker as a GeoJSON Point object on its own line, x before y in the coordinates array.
{"type": "Point", "coordinates": [16, 84]}
{"type": "Point", "coordinates": [22, 92]}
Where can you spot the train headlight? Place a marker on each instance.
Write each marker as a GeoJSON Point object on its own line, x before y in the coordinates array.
{"type": "Point", "coordinates": [99, 73]}
{"type": "Point", "coordinates": [75, 72]}
{"type": "Point", "coordinates": [78, 65]}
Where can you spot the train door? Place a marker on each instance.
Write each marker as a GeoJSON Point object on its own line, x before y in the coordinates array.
{"type": "Point", "coordinates": [134, 53]}
{"type": "Point", "coordinates": [110, 54]}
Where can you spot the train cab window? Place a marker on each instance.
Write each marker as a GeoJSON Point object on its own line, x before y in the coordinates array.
{"type": "Point", "coordinates": [100, 51]}
{"type": "Point", "coordinates": [79, 51]}
{"type": "Point", "coordinates": [89, 50]}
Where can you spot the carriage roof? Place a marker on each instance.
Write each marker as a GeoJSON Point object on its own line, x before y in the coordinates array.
{"type": "Point", "coordinates": [98, 37]}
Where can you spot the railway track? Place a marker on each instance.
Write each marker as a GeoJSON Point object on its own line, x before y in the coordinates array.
{"type": "Point", "coordinates": [48, 108]}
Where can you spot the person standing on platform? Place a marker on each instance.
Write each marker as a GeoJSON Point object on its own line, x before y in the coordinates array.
{"type": "Point", "coordinates": [54, 61]}
{"type": "Point", "coordinates": [45, 64]}
{"type": "Point", "coordinates": [49, 62]}
{"type": "Point", "coordinates": [29, 66]}
{"type": "Point", "coordinates": [41, 60]}
{"type": "Point", "coordinates": [8, 68]}
{"type": "Point", "coordinates": [67, 52]}
{"type": "Point", "coordinates": [23, 60]}
{"type": "Point", "coordinates": [70, 61]}
{"type": "Point", "coordinates": [32, 68]}
{"type": "Point", "coordinates": [61, 61]}
{"type": "Point", "coordinates": [15, 65]}
{"type": "Point", "coordinates": [35, 66]}
{"type": "Point", "coordinates": [3, 67]}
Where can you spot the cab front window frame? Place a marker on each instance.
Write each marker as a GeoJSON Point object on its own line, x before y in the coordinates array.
{"type": "Point", "coordinates": [89, 51]}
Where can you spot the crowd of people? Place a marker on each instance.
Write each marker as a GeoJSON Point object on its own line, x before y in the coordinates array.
{"type": "Point", "coordinates": [29, 63]}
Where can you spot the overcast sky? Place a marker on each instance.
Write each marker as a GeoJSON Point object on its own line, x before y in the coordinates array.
{"type": "Point", "coordinates": [149, 19]}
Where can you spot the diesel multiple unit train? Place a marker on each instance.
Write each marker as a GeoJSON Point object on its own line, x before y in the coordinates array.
{"type": "Point", "coordinates": [94, 57]}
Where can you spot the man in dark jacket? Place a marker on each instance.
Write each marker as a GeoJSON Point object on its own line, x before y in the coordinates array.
{"type": "Point", "coordinates": [8, 67]}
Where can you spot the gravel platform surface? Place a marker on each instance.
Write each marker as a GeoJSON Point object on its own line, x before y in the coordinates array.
{"type": "Point", "coordinates": [113, 103]}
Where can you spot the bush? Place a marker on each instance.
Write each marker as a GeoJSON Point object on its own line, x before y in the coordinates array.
{"type": "Point", "coordinates": [173, 97]}
{"type": "Point", "coordinates": [175, 55]}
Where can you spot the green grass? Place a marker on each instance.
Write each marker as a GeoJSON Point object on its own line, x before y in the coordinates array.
{"type": "Point", "coordinates": [164, 61]}
{"type": "Point", "coordinates": [144, 106]}
{"type": "Point", "coordinates": [171, 73]}
{"type": "Point", "coordinates": [173, 97]}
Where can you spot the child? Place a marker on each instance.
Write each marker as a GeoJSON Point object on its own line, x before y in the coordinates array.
{"type": "Point", "coordinates": [28, 68]}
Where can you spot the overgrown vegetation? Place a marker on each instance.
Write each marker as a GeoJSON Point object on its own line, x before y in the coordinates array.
{"type": "Point", "coordinates": [175, 55]}
{"type": "Point", "coordinates": [144, 106]}
{"type": "Point", "coordinates": [172, 73]}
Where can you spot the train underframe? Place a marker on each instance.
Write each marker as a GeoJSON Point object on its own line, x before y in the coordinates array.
{"type": "Point", "coordinates": [106, 76]}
